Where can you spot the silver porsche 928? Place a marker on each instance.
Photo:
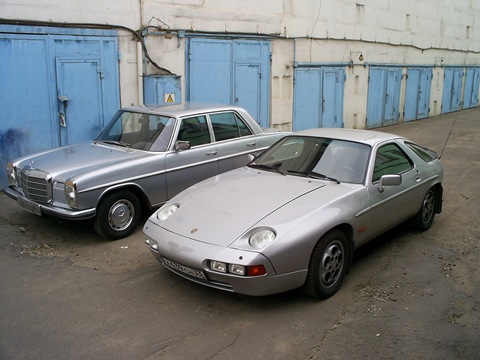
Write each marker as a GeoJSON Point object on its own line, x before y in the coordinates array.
{"type": "Point", "coordinates": [293, 217]}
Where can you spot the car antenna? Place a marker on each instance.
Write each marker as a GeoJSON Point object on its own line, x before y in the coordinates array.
{"type": "Point", "coordinates": [448, 137]}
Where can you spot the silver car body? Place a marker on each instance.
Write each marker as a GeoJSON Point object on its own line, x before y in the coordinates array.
{"type": "Point", "coordinates": [215, 219]}
{"type": "Point", "coordinates": [189, 147]}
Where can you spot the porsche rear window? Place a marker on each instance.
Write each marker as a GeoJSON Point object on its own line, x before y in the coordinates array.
{"type": "Point", "coordinates": [425, 154]}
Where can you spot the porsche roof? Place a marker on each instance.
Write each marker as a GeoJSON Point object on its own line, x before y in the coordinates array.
{"type": "Point", "coordinates": [366, 136]}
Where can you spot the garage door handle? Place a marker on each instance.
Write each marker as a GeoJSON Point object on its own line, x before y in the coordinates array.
{"type": "Point", "coordinates": [212, 153]}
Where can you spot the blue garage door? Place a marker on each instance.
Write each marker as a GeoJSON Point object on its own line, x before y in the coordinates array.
{"type": "Point", "coordinates": [470, 93]}
{"type": "Point", "coordinates": [80, 112]}
{"type": "Point", "coordinates": [318, 98]}
{"type": "Point", "coordinates": [452, 90]}
{"type": "Point", "coordinates": [233, 72]}
{"type": "Point", "coordinates": [417, 94]}
{"type": "Point", "coordinates": [383, 102]}
{"type": "Point", "coordinates": [59, 86]}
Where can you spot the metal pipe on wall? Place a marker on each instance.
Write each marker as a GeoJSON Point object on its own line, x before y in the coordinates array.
{"type": "Point", "coordinates": [140, 60]}
{"type": "Point", "coordinates": [139, 73]}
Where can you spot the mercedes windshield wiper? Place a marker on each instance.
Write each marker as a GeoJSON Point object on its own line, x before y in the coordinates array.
{"type": "Point", "coordinates": [314, 175]}
{"type": "Point", "coordinates": [113, 142]}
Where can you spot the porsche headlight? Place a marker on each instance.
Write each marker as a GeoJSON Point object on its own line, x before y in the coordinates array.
{"type": "Point", "coordinates": [151, 243]}
{"type": "Point", "coordinates": [261, 238]}
{"type": "Point", "coordinates": [12, 180]}
{"type": "Point", "coordinates": [70, 193]}
{"type": "Point", "coordinates": [165, 212]}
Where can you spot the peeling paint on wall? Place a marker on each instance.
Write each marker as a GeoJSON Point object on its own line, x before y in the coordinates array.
{"type": "Point", "coordinates": [12, 145]}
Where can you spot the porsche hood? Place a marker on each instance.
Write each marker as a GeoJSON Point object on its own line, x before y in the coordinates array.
{"type": "Point", "coordinates": [220, 209]}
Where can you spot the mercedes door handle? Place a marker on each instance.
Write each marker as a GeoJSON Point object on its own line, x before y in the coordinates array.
{"type": "Point", "coordinates": [212, 153]}
{"type": "Point", "coordinates": [252, 144]}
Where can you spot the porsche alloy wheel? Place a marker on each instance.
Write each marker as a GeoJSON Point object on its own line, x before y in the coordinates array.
{"type": "Point", "coordinates": [424, 218]}
{"type": "Point", "coordinates": [328, 265]}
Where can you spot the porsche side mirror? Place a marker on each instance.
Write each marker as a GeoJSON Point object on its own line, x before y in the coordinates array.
{"type": "Point", "coordinates": [255, 156]}
{"type": "Point", "coordinates": [389, 180]}
{"type": "Point", "coordinates": [182, 145]}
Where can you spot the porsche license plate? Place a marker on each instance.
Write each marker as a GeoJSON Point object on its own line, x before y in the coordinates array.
{"type": "Point", "coordinates": [29, 206]}
{"type": "Point", "coordinates": [184, 269]}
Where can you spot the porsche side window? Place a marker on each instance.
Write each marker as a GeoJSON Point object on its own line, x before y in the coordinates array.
{"type": "Point", "coordinates": [228, 126]}
{"type": "Point", "coordinates": [390, 159]}
{"type": "Point", "coordinates": [194, 130]}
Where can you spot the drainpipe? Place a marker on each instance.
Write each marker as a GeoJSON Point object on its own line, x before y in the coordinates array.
{"type": "Point", "coordinates": [139, 73]}
{"type": "Point", "coordinates": [140, 61]}
{"type": "Point", "coordinates": [141, 13]}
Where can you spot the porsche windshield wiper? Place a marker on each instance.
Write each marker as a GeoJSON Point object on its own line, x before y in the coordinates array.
{"type": "Point", "coordinates": [314, 175]}
{"type": "Point", "coordinates": [267, 167]}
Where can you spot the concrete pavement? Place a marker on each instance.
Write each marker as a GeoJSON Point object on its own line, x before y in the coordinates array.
{"type": "Point", "coordinates": [65, 293]}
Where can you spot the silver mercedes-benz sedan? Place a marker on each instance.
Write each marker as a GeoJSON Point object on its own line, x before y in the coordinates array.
{"type": "Point", "coordinates": [142, 158]}
{"type": "Point", "coordinates": [294, 216]}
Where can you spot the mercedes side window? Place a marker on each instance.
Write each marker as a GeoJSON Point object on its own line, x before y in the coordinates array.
{"type": "Point", "coordinates": [390, 160]}
{"type": "Point", "coordinates": [194, 130]}
{"type": "Point", "coordinates": [228, 126]}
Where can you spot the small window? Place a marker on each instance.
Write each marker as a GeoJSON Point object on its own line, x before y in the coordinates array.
{"type": "Point", "coordinates": [194, 130]}
{"type": "Point", "coordinates": [228, 126]}
{"type": "Point", "coordinates": [390, 160]}
{"type": "Point", "coordinates": [425, 154]}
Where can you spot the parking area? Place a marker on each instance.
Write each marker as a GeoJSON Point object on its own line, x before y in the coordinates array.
{"type": "Point", "coordinates": [66, 293]}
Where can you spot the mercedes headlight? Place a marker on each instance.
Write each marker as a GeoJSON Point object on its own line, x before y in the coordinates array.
{"type": "Point", "coordinates": [70, 193]}
{"type": "Point", "coordinates": [12, 179]}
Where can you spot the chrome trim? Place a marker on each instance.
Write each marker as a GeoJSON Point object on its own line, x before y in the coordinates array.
{"type": "Point", "coordinates": [132, 179]}
{"type": "Point", "coordinates": [36, 184]}
{"type": "Point", "coordinates": [52, 210]}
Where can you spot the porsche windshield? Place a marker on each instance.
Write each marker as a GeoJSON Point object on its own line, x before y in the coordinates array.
{"type": "Point", "coordinates": [138, 131]}
{"type": "Point", "coordinates": [337, 160]}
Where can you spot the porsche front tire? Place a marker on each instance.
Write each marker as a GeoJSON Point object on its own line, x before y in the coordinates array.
{"type": "Point", "coordinates": [328, 265]}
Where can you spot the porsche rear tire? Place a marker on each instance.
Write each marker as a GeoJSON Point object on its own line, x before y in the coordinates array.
{"type": "Point", "coordinates": [424, 218]}
{"type": "Point", "coordinates": [328, 265]}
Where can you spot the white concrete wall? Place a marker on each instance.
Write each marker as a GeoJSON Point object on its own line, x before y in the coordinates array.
{"type": "Point", "coordinates": [282, 84]}
{"type": "Point", "coordinates": [407, 32]}
{"type": "Point", "coordinates": [446, 24]}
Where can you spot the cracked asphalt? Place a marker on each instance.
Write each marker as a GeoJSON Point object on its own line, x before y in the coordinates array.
{"type": "Point", "coordinates": [65, 293]}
